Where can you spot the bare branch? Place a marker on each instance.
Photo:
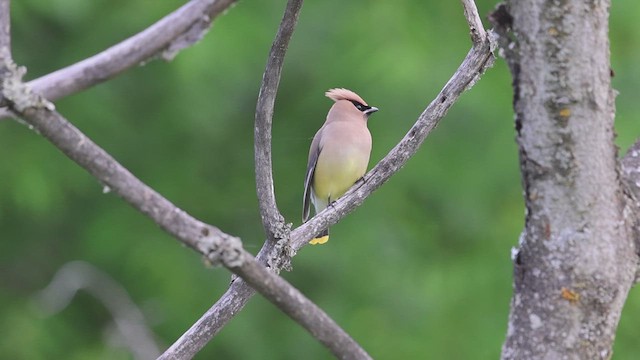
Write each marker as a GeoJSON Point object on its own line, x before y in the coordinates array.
{"type": "Point", "coordinates": [478, 34]}
{"type": "Point", "coordinates": [128, 318]}
{"type": "Point", "coordinates": [164, 39]}
{"type": "Point", "coordinates": [479, 58]}
{"type": "Point", "coordinates": [272, 220]}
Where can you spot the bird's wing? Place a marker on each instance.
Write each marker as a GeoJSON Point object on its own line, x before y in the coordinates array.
{"type": "Point", "coordinates": [314, 153]}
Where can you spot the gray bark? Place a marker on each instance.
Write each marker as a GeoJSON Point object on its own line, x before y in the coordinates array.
{"type": "Point", "coordinates": [576, 259]}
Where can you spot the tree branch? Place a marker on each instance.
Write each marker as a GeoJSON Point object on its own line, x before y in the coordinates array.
{"type": "Point", "coordinates": [476, 29]}
{"type": "Point", "coordinates": [272, 221]}
{"type": "Point", "coordinates": [479, 58]}
{"type": "Point", "coordinates": [164, 39]}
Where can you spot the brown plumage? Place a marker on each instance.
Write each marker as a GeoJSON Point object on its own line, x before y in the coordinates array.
{"type": "Point", "coordinates": [339, 153]}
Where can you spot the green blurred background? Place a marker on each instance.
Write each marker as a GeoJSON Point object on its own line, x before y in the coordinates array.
{"type": "Point", "coordinates": [421, 270]}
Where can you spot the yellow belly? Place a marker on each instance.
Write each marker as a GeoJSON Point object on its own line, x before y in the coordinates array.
{"type": "Point", "coordinates": [334, 177]}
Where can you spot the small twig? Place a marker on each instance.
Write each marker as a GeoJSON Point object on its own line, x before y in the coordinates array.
{"type": "Point", "coordinates": [478, 33]}
{"type": "Point", "coordinates": [479, 58]}
{"type": "Point", "coordinates": [165, 38]}
{"type": "Point", "coordinates": [128, 318]}
{"type": "Point", "coordinates": [272, 220]}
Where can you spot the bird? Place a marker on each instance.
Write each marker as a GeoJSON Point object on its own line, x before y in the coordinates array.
{"type": "Point", "coordinates": [338, 155]}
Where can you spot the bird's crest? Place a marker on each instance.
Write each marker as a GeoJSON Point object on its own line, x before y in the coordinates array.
{"type": "Point", "coordinates": [344, 94]}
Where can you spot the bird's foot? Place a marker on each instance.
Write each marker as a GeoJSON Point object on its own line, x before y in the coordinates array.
{"type": "Point", "coordinates": [319, 241]}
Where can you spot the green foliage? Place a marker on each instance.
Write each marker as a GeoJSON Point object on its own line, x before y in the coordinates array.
{"type": "Point", "coordinates": [421, 270]}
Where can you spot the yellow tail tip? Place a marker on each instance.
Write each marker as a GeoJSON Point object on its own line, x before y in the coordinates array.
{"type": "Point", "coordinates": [319, 241]}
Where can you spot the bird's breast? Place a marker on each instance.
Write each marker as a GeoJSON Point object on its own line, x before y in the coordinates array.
{"type": "Point", "coordinates": [340, 164]}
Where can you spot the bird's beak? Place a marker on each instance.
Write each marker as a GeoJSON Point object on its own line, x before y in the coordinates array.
{"type": "Point", "coordinates": [371, 111]}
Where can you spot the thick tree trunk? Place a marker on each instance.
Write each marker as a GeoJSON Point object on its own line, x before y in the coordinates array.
{"type": "Point", "coordinates": [575, 262]}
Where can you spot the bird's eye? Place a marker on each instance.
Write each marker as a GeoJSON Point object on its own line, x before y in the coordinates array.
{"type": "Point", "coordinates": [360, 106]}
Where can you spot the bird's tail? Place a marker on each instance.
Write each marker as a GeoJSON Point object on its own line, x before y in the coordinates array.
{"type": "Point", "coordinates": [322, 238]}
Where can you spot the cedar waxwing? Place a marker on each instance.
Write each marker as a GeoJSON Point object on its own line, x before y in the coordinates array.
{"type": "Point", "coordinates": [339, 153]}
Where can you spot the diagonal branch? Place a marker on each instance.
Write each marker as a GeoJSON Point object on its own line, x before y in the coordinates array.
{"type": "Point", "coordinates": [477, 32]}
{"type": "Point", "coordinates": [479, 58]}
{"type": "Point", "coordinates": [176, 31]}
{"type": "Point", "coordinates": [272, 220]}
